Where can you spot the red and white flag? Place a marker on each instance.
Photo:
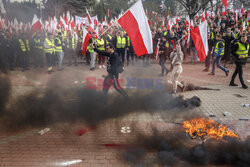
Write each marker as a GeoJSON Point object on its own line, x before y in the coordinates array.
{"type": "Point", "coordinates": [135, 23]}
{"type": "Point", "coordinates": [36, 25]}
{"type": "Point", "coordinates": [243, 27]}
{"type": "Point", "coordinates": [199, 36]}
{"type": "Point", "coordinates": [224, 8]}
{"type": "Point", "coordinates": [108, 13]}
{"type": "Point", "coordinates": [242, 10]}
{"type": "Point", "coordinates": [89, 18]}
{"type": "Point", "coordinates": [85, 41]}
{"type": "Point", "coordinates": [62, 22]}
{"type": "Point", "coordinates": [157, 51]}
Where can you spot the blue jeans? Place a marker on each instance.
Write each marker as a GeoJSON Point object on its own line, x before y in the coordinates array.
{"type": "Point", "coordinates": [217, 61]}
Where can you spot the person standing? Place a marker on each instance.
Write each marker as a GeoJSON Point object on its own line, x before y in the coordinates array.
{"type": "Point", "coordinates": [59, 50]}
{"type": "Point", "coordinates": [48, 50]}
{"type": "Point", "coordinates": [23, 52]}
{"type": "Point", "coordinates": [164, 51]}
{"type": "Point", "coordinates": [240, 52]}
{"type": "Point", "coordinates": [101, 46]}
{"type": "Point", "coordinates": [219, 48]}
{"type": "Point", "coordinates": [120, 43]}
{"type": "Point", "coordinates": [71, 46]}
{"type": "Point", "coordinates": [91, 51]}
{"type": "Point", "coordinates": [38, 50]}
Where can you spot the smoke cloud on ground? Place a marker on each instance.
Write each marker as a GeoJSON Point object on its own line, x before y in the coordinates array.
{"type": "Point", "coordinates": [56, 104]}
{"type": "Point", "coordinates": [177, 149]}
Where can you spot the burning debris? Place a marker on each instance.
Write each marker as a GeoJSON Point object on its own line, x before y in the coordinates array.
{"type": "Point", "coordinates": [200, 127]}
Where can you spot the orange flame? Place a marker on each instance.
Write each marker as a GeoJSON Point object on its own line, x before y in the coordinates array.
{"type": "Point", "coordinates": [202, 127]}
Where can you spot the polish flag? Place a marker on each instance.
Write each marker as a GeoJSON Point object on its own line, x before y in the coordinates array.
{"type": "Point", "coordinates": [135, 23]}
{"type": "Point", "coordinates": [199, 36]}
{"type": "Point", "coordinates": [36, 25]}
{"type": "Point", "coordinates": [236, 16]}
{"type": "Point", "coordinates": [157, 51]}
{"type": "Point", "coordinates": [242, 10]}
{"type": "Point", "coordinates": [163, 24]}
{"type": "Point", "coordinates": [90, 29]}
{"type": "Point", "coordinates": [224, 8]}
{"type": "Point", "coordinates": [62, 22]}
{"type": "Point", "coordinates": [85, 41]}
{"type": "Point", "coordinates": [89, 18]}
{"type": "Point", "coordinates": [108, 13]}
{"type": "Point", "coordinates": [1, 24]}
{"type": "Point", "coordinates": [243, 27]}
{"type": "Point", "coordinates": [203, 17]}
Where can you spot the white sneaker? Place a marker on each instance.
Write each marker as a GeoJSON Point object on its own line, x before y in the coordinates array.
{"type": "Point", "coordinates": [100, 66]}
{"type": "Point", "coordinates": [103, 66]}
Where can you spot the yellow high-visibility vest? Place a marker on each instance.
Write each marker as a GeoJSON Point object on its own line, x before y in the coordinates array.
{"type": "Point", "coordinates": [22, 45]}
{"type": "Point", "coordinates": [27, 45]}
{"type": "Point", "coordinates": [216, 49]}
{"type": "Point", "coordinates": [121, 42]}
{"type": "Point", "coordinates": [100, 44]}
{"type": "Point", "coordinates": [59, 45]}
{"type": "Point", "coordinates": [50, 44]}
{"type": "Point", "coordinates": [242, 50]}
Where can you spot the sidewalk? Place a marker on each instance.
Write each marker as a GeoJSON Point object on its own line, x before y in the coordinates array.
{"type": "Point", "coordinates": [61, 146]}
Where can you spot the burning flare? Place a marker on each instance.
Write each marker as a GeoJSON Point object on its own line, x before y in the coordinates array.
{"type": "Point", "coordinates": [200, 127]}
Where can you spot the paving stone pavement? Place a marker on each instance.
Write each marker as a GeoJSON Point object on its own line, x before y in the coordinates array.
{"type": "Point", "coordinates": [61, 146]}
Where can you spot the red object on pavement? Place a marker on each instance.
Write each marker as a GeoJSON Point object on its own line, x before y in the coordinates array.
{"type": "Point", "coordinates": [82, 132]}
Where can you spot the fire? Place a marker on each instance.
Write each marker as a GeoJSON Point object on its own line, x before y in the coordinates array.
{"type": "Point", "coordinates": [202, 127]}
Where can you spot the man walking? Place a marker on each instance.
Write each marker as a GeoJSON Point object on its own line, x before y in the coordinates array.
{"type": "Point", "coordinates": [240, 52]}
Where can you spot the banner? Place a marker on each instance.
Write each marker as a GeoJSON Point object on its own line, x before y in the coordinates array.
{"type": "Point", "coordinates": [84, 20]}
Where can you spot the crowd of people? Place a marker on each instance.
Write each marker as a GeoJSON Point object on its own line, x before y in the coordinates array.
{"type": "Point", "coordinates": [227, 42]}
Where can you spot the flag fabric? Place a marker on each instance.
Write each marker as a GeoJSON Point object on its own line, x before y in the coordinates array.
{"type": "Point", "coordinates": [224, 8]}
{"type": "Point", "coordinates": [157, 51]}
{"type": "Point", "coordinates": [243, 27]}
{"type": "Point", "coordinates": [199, 36]}
{"type": "Point", "coordinates": [85, 41]}
{"type": "Point", "coordinates": [242, 10]}
{"type": "Point", "coordinates": [36, 25]}
{"type": "Point", "coordinates": [89, 18]}
{"type": "Point", "coordinates": [135, 23]}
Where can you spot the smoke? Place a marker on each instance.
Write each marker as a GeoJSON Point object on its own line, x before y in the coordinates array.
{"type": "Point", "coordinates": [56, 104]}
{"type": "Point", "coordinates": [5, 89]}
{"type": "Point", "coordinates": [179, 150]}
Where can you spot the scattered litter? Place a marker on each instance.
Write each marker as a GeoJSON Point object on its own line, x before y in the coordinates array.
{"type": "Point", "coordinates": [76, 82]}
{"type": "Point", "coordinates": [243, 119]}
{"type": "Point", "coordinates": [248, 80]}
{"type": "Point", "coordinates": [227, 113]}
{"type": "Point", "coordinates": [115, 145]}
{"type": "Point", "coordinates": [83, 131]}
{"type": "Point", "coordinates": [42, 132]}
{"type": "Point", "coordinates": [125, 129]}
{"type": "Point", "coordinates": [238, 95]}
{"type": "Point", "coordinates": [211, 115]}
{"type": "Point", "coordinates": [245, 105]}
{"type": "Point", "coordinates": [83, 81]}
{"type": "Point", "coordinates": [131, 87]}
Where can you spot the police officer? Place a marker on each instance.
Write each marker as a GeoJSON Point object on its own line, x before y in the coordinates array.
{"type": "Point", "coordinates": [120, 43]}
{"type": "Point", "coordinates": [240, 52]}
{"type": "Point", "coordinates": [59, 50]}
{"type": "Point", "coordinates": [219, 48]}
{"type": "Point", "coordinates": [101, 46]}
{"type": "Point", "coordinates": [23, 52]}
{"type": "Point", "coordinates": [71, 46]}
{"type": "Point", "coordinates": [48, 50]}
{"type": "Point", "coordinates": [113, 70]}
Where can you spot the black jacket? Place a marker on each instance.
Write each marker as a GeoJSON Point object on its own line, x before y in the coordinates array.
{"type": "Point", "coordinates": [113, 61]}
